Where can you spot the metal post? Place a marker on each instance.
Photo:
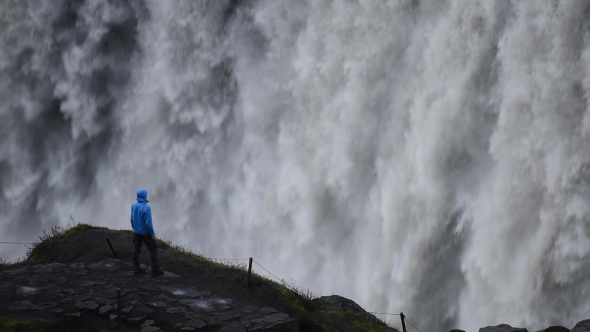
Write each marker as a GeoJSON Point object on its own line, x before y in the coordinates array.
{"type": "Point", "coordinates": [403, 321]}
{"type": "Point", "coordinates": [250, 273]}
{"type": "Point", "coordinates": [112, 249]}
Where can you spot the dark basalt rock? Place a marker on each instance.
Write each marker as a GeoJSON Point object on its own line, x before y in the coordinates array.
{"type": "Point", "coordinates": [502, 328]}
{"type": "Point", "coordinates": [136, 320]}
{"type": "Point", "coordinates": [150, 329]}
{"type": "Point", "coordinates": [105, 309]}
{"type": "Point", "coordinates": [582, 326]}
{"type": "Point", "coordinates": [349, 305]}
{"type": "Point", "coordinates": [217, 320]}
{"type": "Point", "coordinates": [196, 323]}
{"type": "Point", "coordinates": [86, 305]}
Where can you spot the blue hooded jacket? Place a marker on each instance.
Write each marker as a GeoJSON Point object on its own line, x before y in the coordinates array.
{"type": "Point", "coordinates": [141, 215]}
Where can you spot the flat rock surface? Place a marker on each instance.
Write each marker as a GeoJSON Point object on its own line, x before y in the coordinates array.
{"type": "Point", "coordinates": [85, 294]}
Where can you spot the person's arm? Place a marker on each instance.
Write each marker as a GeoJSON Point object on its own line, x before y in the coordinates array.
{"type": "Point", "coordinates": [148, 221]}
{"type": "Point", "coordinates": [131, 216]}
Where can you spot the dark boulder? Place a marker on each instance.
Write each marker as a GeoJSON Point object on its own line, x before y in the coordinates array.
{"type": "Point", "coordinates": [583, 326]}
{"type": "Point", "coordinates": [349, 305]}
{"type": "Point", "coordinates": [502, 328]}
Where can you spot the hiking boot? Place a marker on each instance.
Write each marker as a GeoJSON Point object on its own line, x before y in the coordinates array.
{"type": "Point", "coordinates": [157, 273]}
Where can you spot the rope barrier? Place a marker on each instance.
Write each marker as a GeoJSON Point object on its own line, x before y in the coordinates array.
{"type": "Point", "coordinates": [279, 279]}
{"type": "Point", "coordinates": [382, 313]}
{"type": "Point", "coordinates": [412, 324]}
{"type": "Point", "coordinates": [4, 242]}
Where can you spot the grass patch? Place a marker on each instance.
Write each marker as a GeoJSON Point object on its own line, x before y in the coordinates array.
{"type": "Point", "coordinates": [9, 324]}
{"type": "Point", "coordinates": [49, 238]}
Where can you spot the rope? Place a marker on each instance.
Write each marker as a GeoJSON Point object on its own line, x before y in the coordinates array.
{"type": "Point", "coordinates": [279, 279]}
{"type": "Point", "coordinates": [227, 259]}
{"type": "Point", "coordinates": [382, 313]}
{"type": "Point", "coordinates": [412, 324]}
{"type": "Point", "coordinates": [4, 242]}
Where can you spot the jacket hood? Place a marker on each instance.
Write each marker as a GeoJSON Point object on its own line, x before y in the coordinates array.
{"type": "Point", "coordinates": [142, 196]}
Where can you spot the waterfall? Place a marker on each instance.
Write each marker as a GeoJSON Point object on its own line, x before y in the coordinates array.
{"type": "Point", "coordinates": [424, 156]}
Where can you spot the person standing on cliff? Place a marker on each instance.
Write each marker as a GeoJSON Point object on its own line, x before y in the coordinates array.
{"type": "Point", "coordinates": [143, 229]}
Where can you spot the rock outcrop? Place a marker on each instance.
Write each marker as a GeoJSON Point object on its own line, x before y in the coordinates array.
{"type": "Point", "coordinates": [148, 304]}
{"type": "Point", "coordinates": [502, 328]}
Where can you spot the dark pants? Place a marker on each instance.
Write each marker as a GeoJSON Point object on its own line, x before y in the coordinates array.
{"type": "Point", "coordinates": [150, 243]}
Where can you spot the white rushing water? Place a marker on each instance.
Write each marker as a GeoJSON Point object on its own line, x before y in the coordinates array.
{"type": "Point", "coordinates": [424, 156]}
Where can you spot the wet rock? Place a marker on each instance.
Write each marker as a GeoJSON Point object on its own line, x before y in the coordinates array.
{"type": "Point", "coordinates": [13, 272]}
{"type": "Point", "coordinates": [582, 326]}
{"type": "Point", "coordinates": [104, 300]}
{"type": "Point", "coordinates": [290, 325]}
{"type": "Point", "coordinates": [75, 314]}
{"type": "Point", "coordinates": [113, 316]}
{"type": "Point", "coordinates": [27, 291]}
{"type": "Point", "coordinates": [456, 330]}
{"type": "Point", "coordinates": [47, 268]}
{"type": "Point", "coordinates": [45, 305]}
{"type": "Point", "coordinates": [145, 310]}
{"type": "Point", "coordinates": [150, 329]}
{"type": "Point", "coordinates": [175, 310]}
{"type": "Point", "coordinates": [270, 320]}
{"type": "Point", "coordinates": [170, 275]}
{"type": "Point", "coordinates": [127, 310]}
{"type": "Point", "coordinates": [249, 309]}
{"type": "Point", "coordinates": [149, 287]}
{"type": "Point", "coordinates": [268, 311]}
{"type": "Point", "coordinates": [24, 305]}
{"type": "Point", "coordinates": [187, 292]}
{"type": "Point", "coordinates": [66, 300]}
{"type": "Point", "coordinates": [198, 305]}
{"type": "Point", "coordinates": [148, 323]}
{"type": "Point", "coordinates": [78, 266]}
{"type": "Point", "coordinates": [195, 323]}
{"type": "Point", "coordinates": [86, 305]}
{"type": "Point", "coordinates": [233, 328]}
{"type": "Point", "coordinates": [136, 320]}
{"type": "Point", "coordinates": [502, 328]}
{"type": "Point", "coordinates": [105, 309]}
{"type": "Point", "coordinates": [92, 283]}
{"type": "Point", "coordinates": [58, 311]}
{"type": "Point", "coordinates": [192, 315]}
{"type": "Point", "coordinates": [68, 291]}
{"type": "Point", "coordinates": [158, 304]}
{"type": "Point", "coordinates": [108, 264]}
{"type": "Point", "coordinates": [186, 328]}
{"type": "Point", "coordinates": [216, 320]}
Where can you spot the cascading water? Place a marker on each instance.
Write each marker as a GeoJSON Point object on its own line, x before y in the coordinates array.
{"type": "Point", "coordinates": [430, 157]}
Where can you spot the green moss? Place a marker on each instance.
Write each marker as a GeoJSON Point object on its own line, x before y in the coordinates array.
{"type": "Point", "coordinates": [9, 324]}
{"type": "Point", "coordinates": [556, 329]}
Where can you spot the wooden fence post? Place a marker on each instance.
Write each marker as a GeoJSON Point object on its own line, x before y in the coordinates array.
{"type": "Point", "coordinates": [403, 321]}
{"type": "Point", "coordinates": [250, 273]}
